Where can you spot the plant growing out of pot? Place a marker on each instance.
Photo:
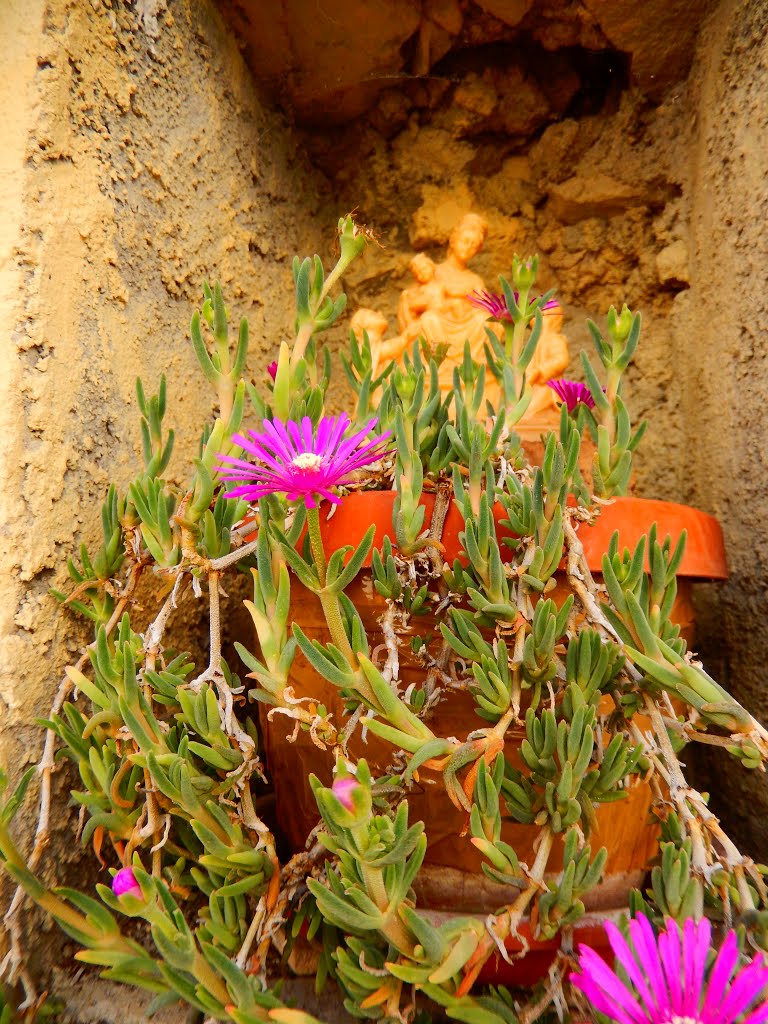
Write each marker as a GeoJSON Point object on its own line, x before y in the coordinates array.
{"type": "Point", "coordinates": [472, 677]}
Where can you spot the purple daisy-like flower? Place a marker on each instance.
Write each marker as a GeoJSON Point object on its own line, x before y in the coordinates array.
{"type": "Point", "coordinates": [572, 392]}
{"type": "Point", "coordinates": [125, 882]}
{"type": "Point", "coordinates": [666, 978]}
{"type": "Point", "coordinates": [272, 369]}
{"type": "Point", "coordinates": [343, 789]}
{"type": "Point", "coordinates": [495, 304]}
{"type": "Point", "coordinates": [492, 302]}
{"type": "Point", "coordinates": [302, 464]}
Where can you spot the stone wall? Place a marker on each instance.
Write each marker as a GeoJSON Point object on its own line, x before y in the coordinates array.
{"type": "Point", "coordinates": [721, 335]}
{"type": "Point", "coordinates": [138, 159]}
{"type": "Point", "coordinates": [597, 197]}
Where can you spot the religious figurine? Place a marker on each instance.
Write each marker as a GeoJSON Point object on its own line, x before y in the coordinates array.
{"type": "Point", "coordinates": [438, 308]}
{"type": "Point", "coordinates": [375, 326]}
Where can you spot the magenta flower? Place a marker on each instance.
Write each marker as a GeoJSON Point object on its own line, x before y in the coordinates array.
{"type": "Point", "coordinates": [299, 463]}
{"type": "Point", "coordinates": [495, 304]}
{"type": "Point", "coordinates": [666, 978]}
{"type": "Point", "coordinates": [125, 882]}
{"type": "Point", "coordinates": [572, 392]}
{"type": "Point", "coordinates": [492, 302]}
{"type": "Point", "coordinates": [272, 369]}
{"type": "Point", "coordinates": [343, 789]}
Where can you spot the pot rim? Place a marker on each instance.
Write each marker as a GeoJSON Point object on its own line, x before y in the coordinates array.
{"type": "Point", "coordinates": [704, 556]}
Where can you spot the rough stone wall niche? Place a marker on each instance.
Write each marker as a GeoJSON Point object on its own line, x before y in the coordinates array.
{"type": "Point", "coordinates": [621, 142]}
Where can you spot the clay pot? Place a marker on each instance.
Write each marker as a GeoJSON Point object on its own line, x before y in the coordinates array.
{"type": "Point", "coordinates": [452, 879]}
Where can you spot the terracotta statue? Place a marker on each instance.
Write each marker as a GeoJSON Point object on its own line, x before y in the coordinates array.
{"type": "Point", "coordinates": [375, 325]}
{"type": "Point", "coordinates": [436, 308]}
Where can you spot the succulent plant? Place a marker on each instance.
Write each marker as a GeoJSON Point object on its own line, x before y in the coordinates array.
{"type": "Point", "coordinates": [601, 684]}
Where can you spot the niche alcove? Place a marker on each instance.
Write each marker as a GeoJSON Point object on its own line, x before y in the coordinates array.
{"type": "Point", "coordinates": [614, 139]}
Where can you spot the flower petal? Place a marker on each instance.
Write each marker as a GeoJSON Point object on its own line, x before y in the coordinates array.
{"type": "Point", "coordinates": [597, 971]}
{"type": "Point", "coordinates": [746, 987]}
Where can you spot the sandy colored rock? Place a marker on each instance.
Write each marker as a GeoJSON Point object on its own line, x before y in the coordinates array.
{"type": "Point", "coordinates": [441, 22]}
{"type": "Point", "coordinates": [511, 12]}
{"type": "Point", "coordinates": [672, 263]}
{"type": "Point", "coordinates": [523, 107]}
{"type": "Point", "coordinates": [660, 35]}
{"type": "Point", "coordinates": [477, 94]}
{"type": "Point", "coordinates": [557, 24]}
{"type": "Point", "coordinates": [599, 195]}
{"type": "Point", "coordinates": [437, 216]}
{"type": "Point", "coordinates": [331, 58]}
{"type": "Point", "coordinates": [513, 186]}
{"type": "Point", "coordinates": [556, 151]}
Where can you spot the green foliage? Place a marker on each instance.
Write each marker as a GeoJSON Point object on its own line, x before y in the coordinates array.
{"type": "Point", "coordinates": [168, 760]}
{"type": "Point", "coordinates": [609, 424]}
{"type": "Point", "coordinates": [93, 595]}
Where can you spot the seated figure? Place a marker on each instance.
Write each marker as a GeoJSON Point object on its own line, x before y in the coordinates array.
{"type": "Point", "coordinates": [437, 308]}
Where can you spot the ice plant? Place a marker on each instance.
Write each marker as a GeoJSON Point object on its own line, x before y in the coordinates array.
{"type": "Point", "coordinates": [125, 882]}
{"type": "Point", "coordinates": [572, 392]}
{"type": "Point", "coordinates": [342, 789]}
{"type": "Point", "coordinates": [272, 369]}
{"type": "Point", "coordinates": [666, 979]}
{"type": "Point", "coordinates": [496, 305]}
{"type": "Point", "coordinates": [412, 609]}
{"type": "Point", "coordinates": [492, 302]}
{"type": "Point", "coordinates": [303, 464]}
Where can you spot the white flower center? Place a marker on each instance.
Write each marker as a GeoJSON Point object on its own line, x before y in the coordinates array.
{"type": "Point", "coordinates": [307, 460]}
{"type": "Point", "coordinates": [681, 1020]}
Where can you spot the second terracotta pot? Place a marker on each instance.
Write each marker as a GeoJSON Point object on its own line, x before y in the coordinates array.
{"type": "Point", "coordinates": [452, 877]}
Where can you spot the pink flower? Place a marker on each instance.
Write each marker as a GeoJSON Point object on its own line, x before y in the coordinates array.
{"type": "Point", "coordinates": [572, 392]}
{"type": "Point", "coordinates": [495, 304]}
{"type": "Point", "coordinates": [272, 369]}
{"type": "Point", "coordinates": [298, 463]}
{"type": "Point", "coordinates": [125, 882]}
{"type": "Point", "coordinates": [666, 978]}
{"type": "Point", "coordinates": [343, 789]}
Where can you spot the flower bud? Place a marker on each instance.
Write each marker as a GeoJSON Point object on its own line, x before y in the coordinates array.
{"type": "Point", "coordinates": [125, 882]}
{"type": "Point", "coordinates": [343, 788]}
{"type": "Point", "coordinates": [619, 325]}
{"type": "Point", "coordinates": [272, 369]}
{"type": "Point", "coordinates": [524, 272]}
{"type": "Point", "coordinates": [405, 384]}
{"type": "Point", "coordinates": [352, 241]}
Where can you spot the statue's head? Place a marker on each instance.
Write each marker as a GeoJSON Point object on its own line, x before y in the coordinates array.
{"type": "Point", "coordinates": [369, 320]}
{"type": "Point", "coordinates": [422, 267]}
{"type": "Point", "coordinates": [468, 236]}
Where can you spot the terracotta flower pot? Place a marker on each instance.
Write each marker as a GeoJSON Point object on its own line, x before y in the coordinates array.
{"type": "Point", "coordinates": [451, 878]}
{"type": "Point", "coordinates": [531, 962]}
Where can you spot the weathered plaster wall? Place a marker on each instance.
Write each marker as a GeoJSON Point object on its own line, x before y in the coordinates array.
{"type": "Point", "coordinates": [138, 159]}
{"type": "Point", "coordinates": [722, 337]}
